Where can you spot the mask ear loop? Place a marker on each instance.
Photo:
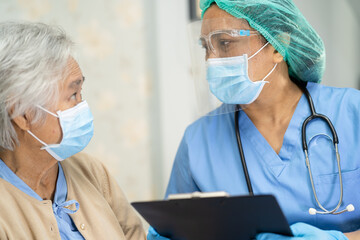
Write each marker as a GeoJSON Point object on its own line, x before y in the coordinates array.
{"type": "Point", "coordinates": [42, 142]}
{"type": "Point", "coordinates": [258, 51]}
{"type": "Point", "coordinates": [44, 109]}
{"type": "Point", "coordinates": [270, 72]}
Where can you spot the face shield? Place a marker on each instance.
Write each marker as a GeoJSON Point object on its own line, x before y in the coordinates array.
{"type": "Point", "coordinates": [220, 49]}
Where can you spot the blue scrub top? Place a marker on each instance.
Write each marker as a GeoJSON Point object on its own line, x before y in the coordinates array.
{"type": "Point", "coordinates": [67, 228]}
{"type": "Point", "coordinates": [208, 159]}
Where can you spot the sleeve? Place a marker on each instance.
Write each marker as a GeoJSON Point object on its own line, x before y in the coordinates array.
{"type": "Point", "coordinates": [124, 212]}
{"type": "Point", "coordinates": [181, 180]}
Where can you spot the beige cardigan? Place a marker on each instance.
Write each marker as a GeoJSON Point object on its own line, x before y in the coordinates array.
{"type": "Point", "coordinates": [104, 212]}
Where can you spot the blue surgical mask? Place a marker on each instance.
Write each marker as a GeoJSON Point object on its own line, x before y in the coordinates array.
{"type": "Point", "coordinates": [77, 130]}
{"type": "Point", "coordinates": [229, 80]}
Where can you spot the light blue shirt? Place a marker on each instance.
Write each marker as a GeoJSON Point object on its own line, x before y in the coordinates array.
{"type": "Point", "coordinates": [67, 228]}
{"type": "Point", "coordinates": [208, 159]}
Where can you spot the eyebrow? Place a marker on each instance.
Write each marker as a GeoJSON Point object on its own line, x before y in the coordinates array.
{"type": "Point", "coordinates": [74, 84]}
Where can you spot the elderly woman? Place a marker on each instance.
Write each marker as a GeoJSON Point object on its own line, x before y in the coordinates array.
{"type": "Point", "coordinates": [48, 191]}
{"type": "Point", "coordinates": [278, 131]}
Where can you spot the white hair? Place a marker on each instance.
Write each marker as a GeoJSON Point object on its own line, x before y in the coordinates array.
{"type": "Point", "coordinates": [33, 59]}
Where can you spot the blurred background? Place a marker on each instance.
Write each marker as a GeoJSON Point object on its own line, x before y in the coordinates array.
{"type": "Point", "coordinates": [134, 54]}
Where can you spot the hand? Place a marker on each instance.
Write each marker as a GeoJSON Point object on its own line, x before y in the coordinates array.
{"type": "Point", "coordinates": [303, 231]}
{"type": "Point", "coordinates": [153, 235]}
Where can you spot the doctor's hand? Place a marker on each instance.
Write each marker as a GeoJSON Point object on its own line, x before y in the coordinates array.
{"type": "Point", "coordinates": [153, 235]}
{"type": "Point", "coordinates": [303, 231]}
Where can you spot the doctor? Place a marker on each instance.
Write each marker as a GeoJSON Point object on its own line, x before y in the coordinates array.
{"type": "Point", "coordinates": [264, 63]}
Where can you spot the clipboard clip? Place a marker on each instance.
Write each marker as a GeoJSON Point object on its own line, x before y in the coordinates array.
{"type": "Point", "coordinates": [197, 195]}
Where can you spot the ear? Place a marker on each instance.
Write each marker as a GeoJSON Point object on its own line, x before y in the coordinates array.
{"type": "Point", "coordinates": [277, 57]}
{"type": "Point", "coordinates": [285, 39]}
{"type": "Point", "coordinates": [22, 122]}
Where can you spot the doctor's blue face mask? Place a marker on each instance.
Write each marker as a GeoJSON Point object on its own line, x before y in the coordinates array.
{"type": "Point", "coordinates": [229, 80]}
{"type": "Point", "coordinates": [77, 130]}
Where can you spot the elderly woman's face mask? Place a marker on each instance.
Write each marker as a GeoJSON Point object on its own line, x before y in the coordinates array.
{"type": "Point", "coordinates": [77, 130]}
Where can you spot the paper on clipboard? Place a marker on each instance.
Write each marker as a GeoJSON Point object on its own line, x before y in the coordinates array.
{"type": "Point", "coordinates": [197, 195]}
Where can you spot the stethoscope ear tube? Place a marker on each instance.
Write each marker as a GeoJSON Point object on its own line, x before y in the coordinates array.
{"type": "Point", "coordinates": [313, 116]}
{"type": "Point", "coordinates": [325, 119]}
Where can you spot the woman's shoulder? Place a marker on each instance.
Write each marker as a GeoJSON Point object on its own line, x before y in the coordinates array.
{"type": "Point", "coordinates": [214, 118]}
{"type": "Point", "coordinates": [83, 165]}
{"type": "Point", "coordinates": [335, 96]}
{"type": "Point", "coordinates": [82, 160]}
{"type": "Point", "coordinates": [210, 123]}
{"type": "Point", "coordinates": [333, 92]}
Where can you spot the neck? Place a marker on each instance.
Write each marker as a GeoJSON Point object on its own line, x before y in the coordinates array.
{"type": "Point", "coordinates": [277, 102]}
{"type": "Point", "coordinates": [38, 170]}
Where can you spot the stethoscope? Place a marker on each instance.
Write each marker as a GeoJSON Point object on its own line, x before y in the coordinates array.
{"type": "Point", "coordinates": [313, 115]}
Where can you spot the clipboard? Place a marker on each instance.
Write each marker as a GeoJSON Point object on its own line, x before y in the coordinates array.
{"type": "Point", "coordinates": [215, 218]}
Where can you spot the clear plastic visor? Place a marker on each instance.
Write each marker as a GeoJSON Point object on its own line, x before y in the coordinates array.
{"type": "Point", "coordinates": [216, 39]}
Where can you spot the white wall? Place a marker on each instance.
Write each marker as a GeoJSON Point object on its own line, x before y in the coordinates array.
{"type": "Point", "coordinates": [171, 73]}
{"type": "Point", "coordinates": [339, 27]}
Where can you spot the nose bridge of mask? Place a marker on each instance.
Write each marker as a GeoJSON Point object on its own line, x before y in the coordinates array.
{"type": "Point", "coordinates": [72, 111]}
{"type": "Point", "coordinates": [227, 66]}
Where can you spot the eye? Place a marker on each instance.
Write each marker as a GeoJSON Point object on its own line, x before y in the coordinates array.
{"type": "Point", "coordinates": [73, 97]}
{"type": "Point", "coordinates": [203, 46]}
{"type": "Point", "coordinates": [224, 43]}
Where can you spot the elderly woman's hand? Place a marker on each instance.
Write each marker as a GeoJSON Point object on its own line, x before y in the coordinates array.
{"type": "Point", "coordinates": [303, 231]}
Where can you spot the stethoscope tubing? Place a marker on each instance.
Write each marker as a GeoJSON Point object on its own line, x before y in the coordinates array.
{"type": "Point", "coordinates": [242, 157]}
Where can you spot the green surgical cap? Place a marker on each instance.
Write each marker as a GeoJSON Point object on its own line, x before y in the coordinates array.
{"type": "Point", "coordinates": [287, 30]}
